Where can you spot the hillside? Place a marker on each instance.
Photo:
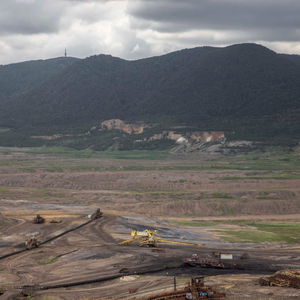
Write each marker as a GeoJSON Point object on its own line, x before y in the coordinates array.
{"type": "Point", "coordinates": [246, 90]}
{"type": "Point", "coordinates": [21, 77]}
{"type": "Point", "coordinates": [293, 57]}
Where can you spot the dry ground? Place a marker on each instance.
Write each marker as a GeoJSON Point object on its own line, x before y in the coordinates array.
{"type": "Point", "coordinates": [173, 195]}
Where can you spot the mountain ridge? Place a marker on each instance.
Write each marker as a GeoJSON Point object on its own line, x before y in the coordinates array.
{"type": "Point", "coordinates": [246, 88]}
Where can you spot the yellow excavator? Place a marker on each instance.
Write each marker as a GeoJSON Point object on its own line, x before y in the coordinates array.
{"type": "Point", "coordinates": [149, 238]}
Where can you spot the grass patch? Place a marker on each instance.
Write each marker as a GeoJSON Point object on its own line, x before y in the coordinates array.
{"type": "Point", "coordinates": [5, 152]}
{"type": "Point", "coordinates": [282, 176]}
{"type": "Point", "coordinates": [196, 224]}
{"type": "Point", "coordinates": [28, 170]}
{"type": "Point", "coordinates": [250, 236]}
{"type": "Point", "coordinates": [48, 261]}
{"type": "Point", "coordinates": [267, 232]}
{"type": "Point", "coordinates": [55, 169]}
{"type": "Point", "coordinates": [4, 190]}
{"type": "Point", "coordinates": [139, 155]}
{"type": "Point", "coordinates": [289, 232]}
{"type": "Point", "coordinates": [42, 193]}
{"type": "Point", "coordinates": [72, 153]}
{"type": "Point", "coordinates": [222, 195]}
{"type": "Point", "coordinates": [62, 151]}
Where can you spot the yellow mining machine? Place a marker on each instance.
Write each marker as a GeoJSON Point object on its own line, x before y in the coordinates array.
{"type": "Point", "coordinates": [149, 238]}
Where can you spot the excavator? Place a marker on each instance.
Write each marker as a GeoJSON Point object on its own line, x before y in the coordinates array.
{"type": "Point", "coordinates": [149, 238]}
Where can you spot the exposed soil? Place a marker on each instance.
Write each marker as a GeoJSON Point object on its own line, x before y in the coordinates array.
{"type": "Point", "coordinates": [86, 263]}
{"type": "Point", "coordinates": [91, 254]}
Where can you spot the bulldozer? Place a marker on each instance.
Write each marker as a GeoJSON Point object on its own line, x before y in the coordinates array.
{"type": "Point", "coordinates": [31, 243]}
{"type": "Point", "coordinates": [149, 238]}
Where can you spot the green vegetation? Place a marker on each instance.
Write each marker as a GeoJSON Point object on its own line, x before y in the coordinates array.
{"type": "Point", "coordinates": [73, 153]}
{"type": "Point", "coordinates": [41, 193]}
{"type": "Point", "coordinates": [63, 151]}
{"type": "Point", "coordinates": [246, 90]}
{"type": "Point", "coordinates": [251, 236]}
{"type": "Point", "coordinates": [262, 231]}
{"type": "Point", "coordinates": [47, 261]}
{"type": "Point", "coordinates": [277, 167]}
{"type": "Point", "coordinates": [288, 232]}
{"type": "Point", "coordinates": [140, 155]}
{"type": "Point", "coordinates": [182, 184]}
{"type": "Point", "coordinates": [16, 79]}
{"type": "Point", "coordinates": [3, 190]}
{"type": "Point", "coordinates": [281, 176]}
{"type": "Point", "coordinates": [222, 195]}
{"type": "Point", "coordinates": [197, 224]}
{"type": "Point", "coordinates": [28, 170]}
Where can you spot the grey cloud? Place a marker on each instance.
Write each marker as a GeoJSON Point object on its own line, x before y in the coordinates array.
{"type": "Point", "coordinates": [31, 29]}
{"type": "Point", "coordinates": [249, 16]}
{"type": "Point", "coordinates": [30, 16]}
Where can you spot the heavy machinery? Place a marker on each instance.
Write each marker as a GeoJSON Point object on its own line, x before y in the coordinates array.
{"type": "Point", "coordinates": [96, 215]}
{"type": "Point", "coordinates": [209, 262]}
{"type": "Point", "coordinates": [149, 238]}
{"type": "Point", "coordinates": [196, 290]}
{"type": "Point", "coordinates": [38, 220]}
{"type": "Point", "coordinates": [32, 242]}
{"type": "Point", "coordinates": [283, 278]}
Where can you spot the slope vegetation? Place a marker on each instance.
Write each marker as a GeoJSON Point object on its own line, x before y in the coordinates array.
{"type": "Point", "coordinates": [247, 90]}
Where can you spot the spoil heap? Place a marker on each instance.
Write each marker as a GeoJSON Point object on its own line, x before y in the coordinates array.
{"type": "Point", "coordinates": [286, 278]}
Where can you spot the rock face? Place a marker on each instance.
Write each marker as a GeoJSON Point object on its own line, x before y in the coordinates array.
{"type": "Point", "coordinates": [217, 147]}
{"type": "Point", "coordinates": [170, 135]}
{"type": "Point", "coordinates": [189, 141]}
{"type": "Point", "coordinates": [211, 136]}
{"type": "Point", "coordinates": [192, 137]}
{"type": "Point", "coordinates": [196, 136]}
{"type": "Point", "coordinates": [117, 124]}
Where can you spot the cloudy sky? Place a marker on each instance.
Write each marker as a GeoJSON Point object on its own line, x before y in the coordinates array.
{"type": "Point", "coordinates": [131, 29]}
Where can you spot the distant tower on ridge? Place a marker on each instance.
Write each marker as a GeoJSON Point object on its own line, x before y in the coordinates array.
{"type": "Point", "coordinates": [65, 52]}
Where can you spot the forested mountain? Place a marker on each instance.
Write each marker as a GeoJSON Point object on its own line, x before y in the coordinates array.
{"type": "Point", "coordinates": [19, 78]}
{"type": "Point", "coordinates": [247, 89]}
{"type": "Point", "coordinates": [293, 57]}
